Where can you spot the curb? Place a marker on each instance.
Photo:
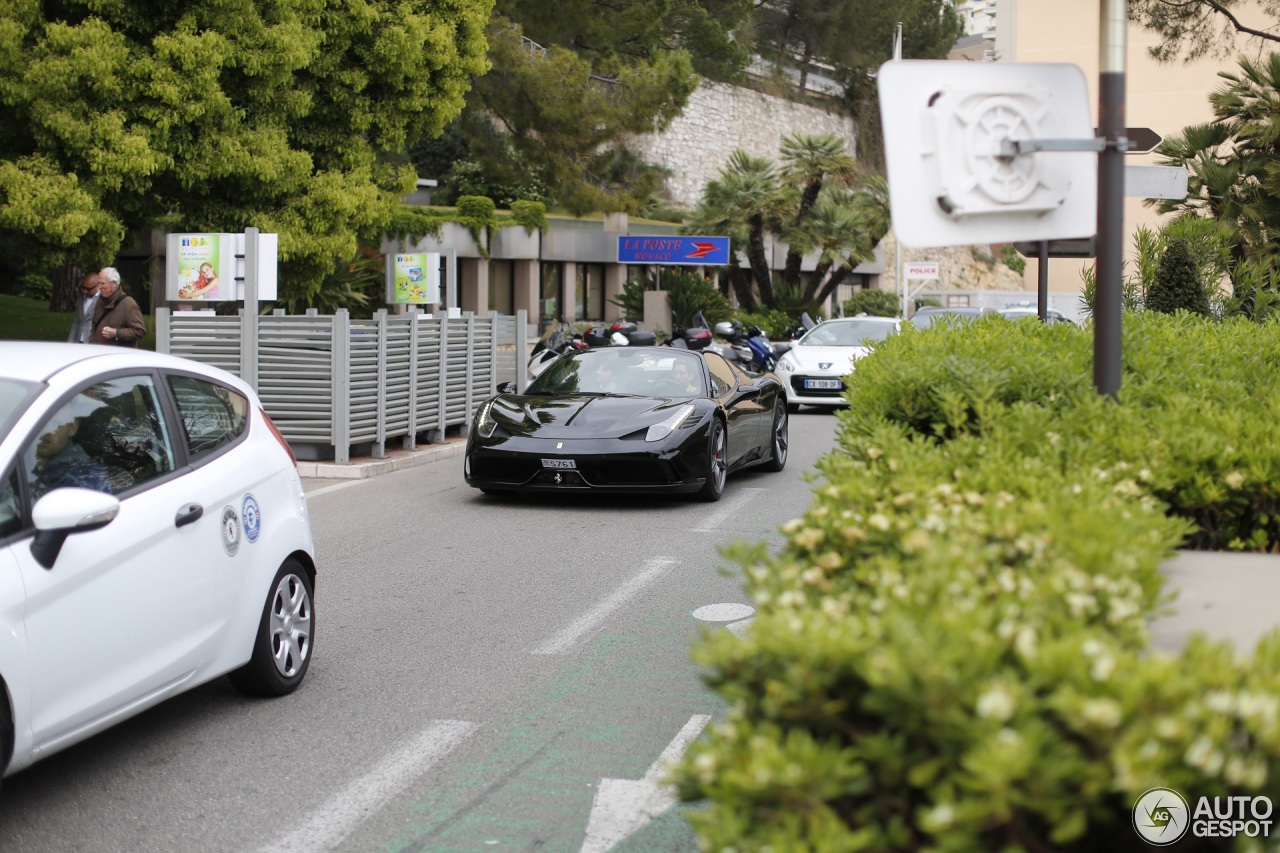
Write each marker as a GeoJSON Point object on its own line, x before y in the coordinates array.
{"type": "Point", "coordinates": [395, 460]}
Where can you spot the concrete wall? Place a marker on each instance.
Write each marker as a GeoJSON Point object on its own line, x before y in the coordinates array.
{"type": "Point", "coordinates": [720, 118]}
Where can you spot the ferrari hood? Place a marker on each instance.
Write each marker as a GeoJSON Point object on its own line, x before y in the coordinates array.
{"type": "Point", "coordinates": [579, 416]}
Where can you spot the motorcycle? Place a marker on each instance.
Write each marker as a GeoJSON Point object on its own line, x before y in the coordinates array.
{"type": "Point", "coordinates": [620, 334]}
{"type": "Point", "coordinates": [748, 345]}
{"type": "Point", "coordinates": [696, 336]}
{"type": "Point", "coordinates": [794, 334]}
{"type": "Point", "coordinates": [557, 341]}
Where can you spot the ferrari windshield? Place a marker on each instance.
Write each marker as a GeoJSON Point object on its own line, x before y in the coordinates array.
{"type": "Point", "coordinates": [658, 372]}
{"type": "Point", "coordinates": [848, 333]}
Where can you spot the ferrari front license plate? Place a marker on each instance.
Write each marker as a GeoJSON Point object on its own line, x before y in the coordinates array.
{"type": "Point", "coordinates": [558, 463]}
{"type": "Point", "coordinates": [823, 384]}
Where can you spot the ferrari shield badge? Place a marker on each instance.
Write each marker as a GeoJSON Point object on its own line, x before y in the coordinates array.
{"type": "Point", "coordinates": [230, 530]}
{"type": "Point", "coordinates": [252, 518]}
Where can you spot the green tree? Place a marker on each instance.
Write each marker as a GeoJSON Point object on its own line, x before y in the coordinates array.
{"type": "Point", "coordinates": [1192, 29]}
{"type": "Point", "coordinates": [740, 203]}
{"type": "Point", "coordinates": [214, 116]}
{"type": "Point", "coordinates": [612, 34]}
{"type": "Point", "coordinates": [572, 79]}
{"type": "Point", "coordinates": [876, 303]}
{"type": "Point", "coordinates": [853, 38]}
{"type": "Point", "coordinates": [808, 203]}
{"type": "Point", "coordinates": [1177, 286]}
{"type": "Point", "coordinates": [1233, 162]}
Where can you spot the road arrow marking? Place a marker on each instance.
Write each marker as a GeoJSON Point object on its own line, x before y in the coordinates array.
{"type": "Point", "coordinates": [622, 807]}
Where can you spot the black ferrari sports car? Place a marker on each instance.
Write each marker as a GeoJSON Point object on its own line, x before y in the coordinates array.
{"type": "Point", "coordinates": [629, 419]}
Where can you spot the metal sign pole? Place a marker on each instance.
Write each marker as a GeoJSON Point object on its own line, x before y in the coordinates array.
{"type": "Point", "coordinates": [249, 355]}
{"type": "Point", "coordinates": [1108, 299]}
{"type": "Point", "coordinates": [1042, 282]}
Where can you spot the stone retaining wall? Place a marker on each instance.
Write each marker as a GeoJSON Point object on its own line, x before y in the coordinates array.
{"type": "Point", "coordinates": [720, 118]}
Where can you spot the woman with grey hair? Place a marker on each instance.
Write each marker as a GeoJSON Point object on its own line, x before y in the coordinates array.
{"type": "Point", "coordinates": [117, 319]}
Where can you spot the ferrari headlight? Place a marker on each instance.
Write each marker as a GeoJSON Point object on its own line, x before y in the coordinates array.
{"type": "Point", "coordinates": [659, 431]}
{"type": "Point", "coordinates": [485, 424]}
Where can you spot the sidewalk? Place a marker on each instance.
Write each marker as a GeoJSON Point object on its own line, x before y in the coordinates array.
{"type": "Point", "coordinates": [362, 467]}
{"type": "Point", "coordinates": [1226, 595]}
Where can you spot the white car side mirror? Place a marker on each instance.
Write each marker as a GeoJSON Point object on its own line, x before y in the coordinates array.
{"type": "Point", "coordinates": [65, 511]}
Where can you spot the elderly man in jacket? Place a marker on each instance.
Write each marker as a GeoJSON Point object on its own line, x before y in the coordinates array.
{"type": "Point", "coordinates": [117, 319]}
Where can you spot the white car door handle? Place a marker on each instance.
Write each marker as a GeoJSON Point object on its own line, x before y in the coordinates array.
{"type": "Point", "coordinates": [188, 515]}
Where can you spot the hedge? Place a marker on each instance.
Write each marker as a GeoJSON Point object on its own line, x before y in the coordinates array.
{"type": "Point", "coordinates": [951, 650]}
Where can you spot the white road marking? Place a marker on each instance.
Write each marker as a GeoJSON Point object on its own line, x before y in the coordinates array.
{"type": "Point", "coordinates": [562, 642]}
{"type": "Point", "coordinates": [334, 820]}
{"type": "Point", "coordinates": [324, 490]}
{"type": "Point", "coordinates": [728, 612]}
{"type": "Point", "coordinates": [621, 806]}
{"type": "Point", "coordinates": [712, 522]}
{"type": "Point", "coordinates": [739, 629]}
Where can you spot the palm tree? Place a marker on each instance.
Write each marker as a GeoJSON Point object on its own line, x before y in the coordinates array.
{"type": "Point", "coordinates": [811, 162]}
{"type": "Point", "coordinates": [844, 229]}
{"type": "Point", "coordinates": [803, 203]}
{"type": "Point", "coordinates": [1233, 162]}
{"type": "Point", "coordinates": [741, 203]}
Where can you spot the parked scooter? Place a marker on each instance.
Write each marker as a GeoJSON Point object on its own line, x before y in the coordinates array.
{"type": "Point", "coordinates": [748, 345]}
{"type": "Point", "coordinates": [696, 336]}
{"type": "Point", "coordinates": [795, 333]}
{"type": "Point", "coordinates": [620, 334]}
{"type": "Point", "coordinates": [557, 341]}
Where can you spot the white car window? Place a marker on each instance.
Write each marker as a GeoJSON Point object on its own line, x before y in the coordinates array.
{"type": "Point", "coordinates": [14, 398]}
{"type": "Point", "coordinates": [109, 438]}
{"type": "Point", "coordinates": [847, 334]}
{"type": "Point", "coordinates": [10, 509]}
{"type": "Point", "coordinates": [212, 415]}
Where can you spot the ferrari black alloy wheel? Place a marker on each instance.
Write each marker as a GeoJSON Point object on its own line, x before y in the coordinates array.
{"type": "Point", "coordinates": [717, 463]}
{"type": "Point", "coordinates": [780, 437]}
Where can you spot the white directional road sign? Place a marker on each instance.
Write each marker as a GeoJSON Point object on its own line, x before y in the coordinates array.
{"type": "Point", "coordinates": [1155, 181]}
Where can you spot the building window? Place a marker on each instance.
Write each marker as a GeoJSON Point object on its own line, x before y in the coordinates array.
{"type": "Point", "coordinates": [589, 292]}
{"type": "Point", "coordinates": [502, 287]}
{"type": "Point", "coordinates": [550, 301]}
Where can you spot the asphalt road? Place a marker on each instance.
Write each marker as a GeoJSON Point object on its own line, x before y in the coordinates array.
{"type": "Point", "coordinates": [482, 667]}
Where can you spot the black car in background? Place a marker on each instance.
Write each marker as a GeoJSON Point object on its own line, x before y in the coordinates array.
{"type": "Point", "coordinates": [629, 419]}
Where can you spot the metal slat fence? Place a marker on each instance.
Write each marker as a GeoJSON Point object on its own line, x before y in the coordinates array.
{"type": "Point", "coordinates": [337, 382]}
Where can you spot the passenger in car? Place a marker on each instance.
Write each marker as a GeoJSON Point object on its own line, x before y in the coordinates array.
{"type": "Point", "coordinates": [681, 373]}
{"type": "Point", "coordinates": [61, 463]}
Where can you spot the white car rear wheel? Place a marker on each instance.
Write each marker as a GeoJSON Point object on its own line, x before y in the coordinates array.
{"type": "Point", "coordinates": [282, 648]}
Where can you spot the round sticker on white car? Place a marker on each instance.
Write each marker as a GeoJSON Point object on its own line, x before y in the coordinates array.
{"type": "Point", "coordinates": [252, 518]}
{"type": "Point", "coordinates": [230, 530]}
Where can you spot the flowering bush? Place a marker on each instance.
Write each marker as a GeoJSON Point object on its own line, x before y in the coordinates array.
{"type": "Point", "coordinates": [951, 650]}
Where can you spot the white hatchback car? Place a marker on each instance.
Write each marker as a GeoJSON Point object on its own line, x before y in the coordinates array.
{"type": "Point", "coordinates": [153, 536]}
{"type": "Point", "coordinates": [813, 370]}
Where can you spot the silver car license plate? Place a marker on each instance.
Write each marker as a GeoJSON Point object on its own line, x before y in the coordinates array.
{"type": "Point", "coordinates": [823, 384]}
{"type": "Point", "coordinates": [559, 463]}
